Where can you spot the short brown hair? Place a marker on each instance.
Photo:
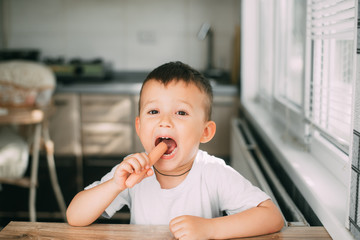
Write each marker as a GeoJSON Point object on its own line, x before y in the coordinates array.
{"type": "Point", "coordinates": [178, 71]}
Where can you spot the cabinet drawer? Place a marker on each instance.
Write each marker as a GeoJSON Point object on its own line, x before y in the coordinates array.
{"type": "Point", "coordinates": [107, 138]}
{"type": "Point", "coordinates": [105, 108]}
{"type": "Point", "coordinates": [64, 124]}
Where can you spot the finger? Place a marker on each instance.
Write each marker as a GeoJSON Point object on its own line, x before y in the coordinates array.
{"type": "Point", "coordinates": [141, 157]}
{"type": "Point", "coordinates": [128, 156]}
{"type": "Point", "coordinates": [144, 160]}
{"type": "Point", "coordinates": [176, 220]}
{"type": "Point", "coordinates": [175, 224]}
{"type": "Point", "coordinates": [126, 167]}
{"type": "Point", "coordinates": [135, 164]}
{"type": "Point", "coordinates": [178, 233]}
{"type": "Point", "coordinates": [149, 172]}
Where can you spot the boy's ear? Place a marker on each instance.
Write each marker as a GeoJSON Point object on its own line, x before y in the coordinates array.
{"type": "Point", "coordinates": [137, 125]}
{"type": "Point", "coordinates": [209, 132]}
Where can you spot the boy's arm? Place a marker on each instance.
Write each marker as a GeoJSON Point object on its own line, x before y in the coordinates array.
{"type": "Point", "coordinates": [263, 219]}
{"type": "Point", "coordinates": [89, 204]}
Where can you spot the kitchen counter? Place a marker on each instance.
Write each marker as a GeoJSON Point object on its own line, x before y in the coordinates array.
{"type": "Point", "coordinates": [127, 83]}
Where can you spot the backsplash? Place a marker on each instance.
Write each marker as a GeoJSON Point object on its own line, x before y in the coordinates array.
{"type": "Point", "coordinates": [131, 35]}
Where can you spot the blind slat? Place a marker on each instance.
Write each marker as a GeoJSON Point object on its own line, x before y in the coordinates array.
{"type": "Point", "coordinates": [325, 8]}
{"type": "Point", "coordinates": [338, 27]}
{"type": "Point", "coordinates": [347, 36]}
{"type": "Point", "coordinates": [343, 15]}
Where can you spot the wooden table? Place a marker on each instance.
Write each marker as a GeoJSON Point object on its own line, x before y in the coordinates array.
{"type": "Point", "coordinates": [37, 230]}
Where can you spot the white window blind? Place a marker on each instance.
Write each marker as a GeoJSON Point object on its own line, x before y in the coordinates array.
{"type": "Point", "coordinates": [331, 30]}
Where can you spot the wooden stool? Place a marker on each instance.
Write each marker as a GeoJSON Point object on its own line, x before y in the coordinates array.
{"type": "Point", "coordinates": [38, 118]}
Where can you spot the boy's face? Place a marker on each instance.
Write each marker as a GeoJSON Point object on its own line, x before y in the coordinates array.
{"type": "Point", "coordinates": [176, 112]}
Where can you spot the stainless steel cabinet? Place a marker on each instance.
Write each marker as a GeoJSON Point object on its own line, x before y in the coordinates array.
{"type": "Point", "coordinates": [224, 109]}
{"type": "Point", "coordinates": [106, 108]}
{"type": "Point", "coordinates": [106, 124]}
{"type": "Point", "coordinates": [106, 138]}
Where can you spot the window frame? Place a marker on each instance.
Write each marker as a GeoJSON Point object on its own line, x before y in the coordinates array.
{"type": "Point", "coordinates": [293, 117]}
{"type": "Point", "coordinates": [321, 174]}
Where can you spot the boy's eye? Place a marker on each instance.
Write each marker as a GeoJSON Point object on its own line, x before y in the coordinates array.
{"type": "Point", "coordinates": [153, 112]}
{"type": "Point", "coordinates": [182, 113]}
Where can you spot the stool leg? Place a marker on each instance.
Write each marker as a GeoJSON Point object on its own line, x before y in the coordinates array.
{"type": "Point", "coordinates": [49, 146]}
{"type": "Point", "coordinates": [34, 172]}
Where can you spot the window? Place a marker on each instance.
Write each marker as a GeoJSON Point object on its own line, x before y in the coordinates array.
{"type": "Point", "coordinates": [307, 121]}
{"type": "Point", "coordinates": [306, 59]}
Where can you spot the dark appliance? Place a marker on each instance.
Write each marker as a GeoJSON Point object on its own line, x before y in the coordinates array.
{"type": "Point", "coordinates": [79, 70]}
{"type": "Point", "coordinates": [19, 54]}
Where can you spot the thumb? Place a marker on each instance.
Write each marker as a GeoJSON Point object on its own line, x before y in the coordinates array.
{"type": "Point", "coordinates": [149, 172]}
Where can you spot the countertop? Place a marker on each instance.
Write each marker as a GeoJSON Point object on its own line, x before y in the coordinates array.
{"type": "Point", "coordinates": [127, 83]}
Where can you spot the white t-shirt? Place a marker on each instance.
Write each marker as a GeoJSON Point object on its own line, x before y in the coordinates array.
{"type": "Point", "coordinates": [210, 188]}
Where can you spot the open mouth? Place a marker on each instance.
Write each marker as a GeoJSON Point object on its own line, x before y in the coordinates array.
{"type": "Point", "coordinates": [171, 144]}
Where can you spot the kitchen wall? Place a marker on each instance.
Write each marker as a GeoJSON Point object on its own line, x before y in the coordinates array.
{"type": "Point", "coordinates": [131, 34]}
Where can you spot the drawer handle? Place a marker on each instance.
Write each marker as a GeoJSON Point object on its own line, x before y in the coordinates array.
{"type": "Point", "coordinates": [60, 103]}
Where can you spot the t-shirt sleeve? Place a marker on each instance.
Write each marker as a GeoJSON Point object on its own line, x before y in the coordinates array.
{"type": "Point", "coordinates": [122, 199]}
{"type": "Point", "coordinates": [236, 193]}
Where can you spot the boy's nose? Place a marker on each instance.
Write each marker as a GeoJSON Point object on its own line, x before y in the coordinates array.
{"type": "Point", "coordinates": [165, 122]}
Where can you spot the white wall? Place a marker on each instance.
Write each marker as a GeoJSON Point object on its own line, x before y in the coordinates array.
{"type": "Point", "coordinates": [132, 34]}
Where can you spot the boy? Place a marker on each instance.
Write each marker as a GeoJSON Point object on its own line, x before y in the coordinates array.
{"type": "Point", "coordinates": [186, 188]}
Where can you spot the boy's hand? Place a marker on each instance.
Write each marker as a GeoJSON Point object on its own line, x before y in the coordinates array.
{"type": "Point", "coordinates": [136, 167]}
{"type": "Point", "coordinates": [190, 227]}
{"type": "Point", "coordinates": [132, 164]}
